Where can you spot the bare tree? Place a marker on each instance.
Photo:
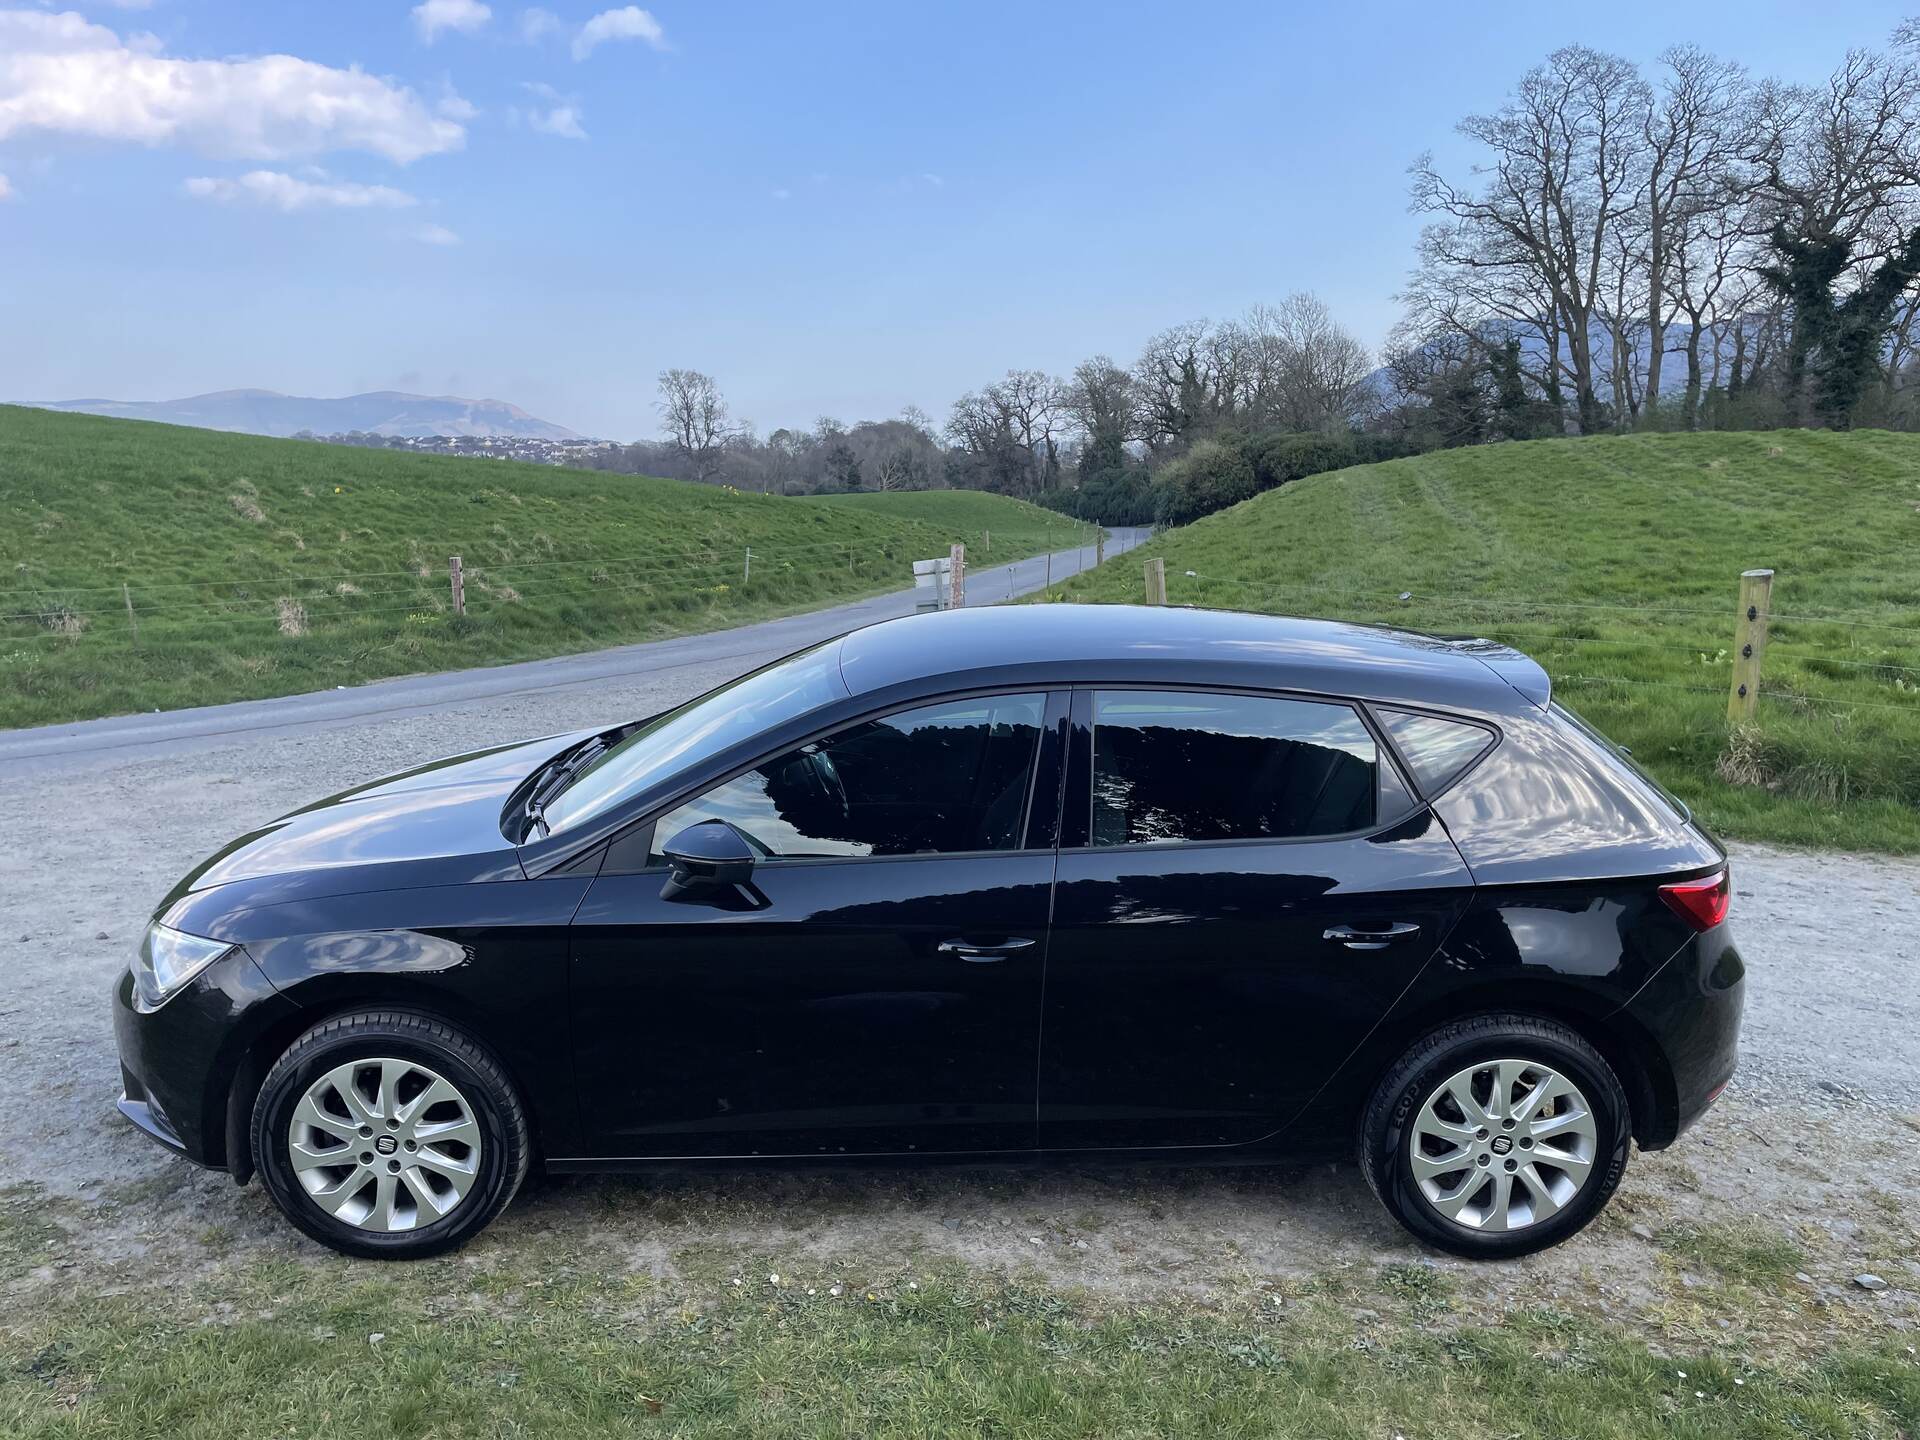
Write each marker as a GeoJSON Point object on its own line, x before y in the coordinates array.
{"type": "Point", "coordinates": [1311, 371]}
{"type": "Point", "coordinates": [1010, 432]}
{"type": "Point", "coordinates": [1565, 168]}
{"type": "Point", "coordinates": [1102, 400]}
{"type": "Point", "coordinates": [1692, 134]}
{"type": "Point", "coordinates": [695, 416]}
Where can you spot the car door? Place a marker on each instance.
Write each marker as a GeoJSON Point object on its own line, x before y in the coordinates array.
{"type": "Point", "coordinates": [874, 988]}
{"type": "Point", "coordinates": [1245, 885]}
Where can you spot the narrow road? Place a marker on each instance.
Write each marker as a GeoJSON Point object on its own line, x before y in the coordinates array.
{"type": "Point", "coordinates": [176, 731]}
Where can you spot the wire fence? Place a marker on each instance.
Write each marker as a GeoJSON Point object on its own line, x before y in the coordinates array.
{"type": "Point", "coordinates": [1816, 659]}
{"type": "Point", "coordinates": [1631, 647]}
{"type": "Point", "coordinates": [133, 609]}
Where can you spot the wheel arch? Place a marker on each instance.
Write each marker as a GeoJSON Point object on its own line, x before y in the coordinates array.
{"type": "Point", "coordinates": [1622, 1041]}
{"type": "Point", "coordinates": [326, 998]}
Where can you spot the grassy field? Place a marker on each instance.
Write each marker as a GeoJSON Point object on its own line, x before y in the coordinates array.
{"type": "Point", "coordinates": [536, 1341]}
{"type": "Point", "coordinates": [994, 528]}
{"type": "Point", "coordinates": [1615, 562]}
{"type": "Point", "coordinates": [258, 567]}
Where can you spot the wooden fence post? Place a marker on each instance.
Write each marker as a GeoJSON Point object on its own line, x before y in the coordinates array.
{"type": "Point", "coordinates": [1749, 643]}
{"type": "Point", "coordinates": [746, 571]}
{"type": "Point", "coordinates": [957, 578]}
{"type": "Point", "coordinates": [459, 583]}
{"type": "Point", "coordinates": [1156, 570]}
{"type": "Point", "coordinates": [1099, 544]}
{"type": "Point", "coordinates": [986, 542]}
{"type": "Point", "coordinates": [133, 624]}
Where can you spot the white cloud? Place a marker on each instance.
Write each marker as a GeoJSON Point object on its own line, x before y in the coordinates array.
{"type": "Point", "coordinates": [65, 75]}
{"type": "Point", "coordinates": [431, 17]}
{"type": "Point", "coordinates": [455, 106]}
{"type": "Point", "coordinates": [629, 22]}
{"type": "Point", "coordinates": [560, 115]}
{"type": "Point", "coordinates": [782, 193]}
{"type": "Point", "coordinates": [932, 179]}
{"type": "Point", "coordinates": [6, 188]}
{"type": "Point", "coordinates": [434, 235]}
{"type": "Point", "coordinates": [561, 120]}
{"type": "Point", "coordinates": [288, 193]}
{"type": "Point", "coordinates": [537, 24]}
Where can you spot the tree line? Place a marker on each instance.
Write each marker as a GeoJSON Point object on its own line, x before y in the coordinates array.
{"type": "Point", "coordinates": [1762, 238]}
{"type": "Point", "coordinates": [1690, 248]}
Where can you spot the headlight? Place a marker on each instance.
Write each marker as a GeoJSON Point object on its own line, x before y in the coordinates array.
{"type": "Point", "coordinates": [168, 959]}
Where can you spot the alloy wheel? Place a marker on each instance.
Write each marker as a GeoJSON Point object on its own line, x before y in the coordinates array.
{"type": "Point", "coordinates": [1503, 1145]}
{"type": "Point", "coordinates": [384, 1144]}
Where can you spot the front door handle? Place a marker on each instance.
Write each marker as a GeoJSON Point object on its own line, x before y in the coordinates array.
{"type": "Point", "coordinates": [982, 954]}
{"type": "Point", "coordinates": [1375, 937]}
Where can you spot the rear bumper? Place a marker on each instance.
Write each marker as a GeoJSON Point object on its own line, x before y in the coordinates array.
{"type": "Point", "coordinates": [1691, 1009]}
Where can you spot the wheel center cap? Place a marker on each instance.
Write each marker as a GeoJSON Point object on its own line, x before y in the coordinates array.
{"type": "Point", "coordinates": [1502, 1144]}
{"type": "Point", "coordinates": [386, 1144]}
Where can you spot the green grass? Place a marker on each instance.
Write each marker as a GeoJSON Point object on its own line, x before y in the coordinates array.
{"type": "Point", "coordinates": [994, 528]}
{"type": "Point", "coordinates": [549, 1346]}
{"type": "Point", "coordinates": [218, 537]}
{"type": "Point", "coordinates": [1614, 561]}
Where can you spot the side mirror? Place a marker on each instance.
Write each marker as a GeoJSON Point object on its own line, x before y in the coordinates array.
{"type": "Point", "coordinates": [712, 855]}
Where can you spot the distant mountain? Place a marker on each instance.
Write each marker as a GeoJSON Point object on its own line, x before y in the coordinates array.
{"type": "Point", "coordinates": [378, 412]}
{"type": "Point", "coordinates": [1673, 369]}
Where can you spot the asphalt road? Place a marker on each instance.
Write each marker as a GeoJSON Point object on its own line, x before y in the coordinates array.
{"type": "Point", "coordinates": [176, 731]}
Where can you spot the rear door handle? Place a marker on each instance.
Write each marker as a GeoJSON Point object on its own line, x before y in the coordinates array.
{"type": "Point", "coordinates": [982, 954]}
{"type": "Point", "coordinates": [1376, 937]}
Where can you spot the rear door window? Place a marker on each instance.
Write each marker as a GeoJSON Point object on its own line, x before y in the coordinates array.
{"type": "Point", "coordinates": [1436, 750]}
{"type": "Point", "coordinates": [1192, 766]}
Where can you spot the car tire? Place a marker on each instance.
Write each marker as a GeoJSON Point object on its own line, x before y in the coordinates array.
{"type": "Point", "coordinates": [1586, 1127]}
{"type": "Point", "coordinates": [436, 1141]}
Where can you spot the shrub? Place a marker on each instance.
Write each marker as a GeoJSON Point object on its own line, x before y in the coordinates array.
{"type": "Point", "coordinates": [1211, 476]}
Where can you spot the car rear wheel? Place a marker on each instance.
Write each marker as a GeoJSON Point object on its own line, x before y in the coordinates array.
{"type": "Point", "coordinates": [389, 1135]}
{"type": "Point", "coordinates": [1496, 1136]}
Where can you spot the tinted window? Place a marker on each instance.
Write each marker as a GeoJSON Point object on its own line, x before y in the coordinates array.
{"type": "Point", "coordinates": [938, 780]}
{"type": "Point", "coordinates": [782, 691]}
{"type": "Point", "coordinates": [1178, 765]}
{"type": "Point", "coordinates": [1435, 750]}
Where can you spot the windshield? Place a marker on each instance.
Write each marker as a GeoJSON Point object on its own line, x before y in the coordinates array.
{"type": "Point", "coordinates": [783, 691]}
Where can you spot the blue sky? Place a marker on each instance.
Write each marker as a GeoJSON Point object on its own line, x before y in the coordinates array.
{"type": "Point", "coordinates": [834, 208]}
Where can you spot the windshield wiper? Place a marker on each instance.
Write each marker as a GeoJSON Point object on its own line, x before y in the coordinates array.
{"type": "Point", "coordinates": [553, 778]}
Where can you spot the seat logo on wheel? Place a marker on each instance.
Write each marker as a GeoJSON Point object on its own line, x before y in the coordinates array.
{"type": "Point", "coordinates": [386, 1144]}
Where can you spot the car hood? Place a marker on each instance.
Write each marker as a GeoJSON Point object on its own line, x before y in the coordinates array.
{"type": "Point", "coordinates": [447, 811]}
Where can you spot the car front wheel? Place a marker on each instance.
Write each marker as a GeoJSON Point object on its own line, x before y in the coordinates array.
{"type": "Point", "coordinates": [1496, 1136]}
{"type": "Point", "coordinates": [389, 1135]}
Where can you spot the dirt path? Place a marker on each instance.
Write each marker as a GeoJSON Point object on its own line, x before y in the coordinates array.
{"type": "Point", "coordinates": [1810, 1167]}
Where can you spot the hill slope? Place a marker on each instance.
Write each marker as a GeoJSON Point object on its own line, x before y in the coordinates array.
{"type": "Point", "coordinates": [1615, 562]}
{"type": "Point", "coordinates": [378, 412]}
{"type": "Point", "coordinates": [258, 567]}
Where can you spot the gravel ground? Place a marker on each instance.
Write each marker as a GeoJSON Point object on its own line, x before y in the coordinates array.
{"type": "Point", "coordinates": [1819, 1139]}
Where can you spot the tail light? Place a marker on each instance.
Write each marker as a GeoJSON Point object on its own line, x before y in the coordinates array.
{"type": "Point", "coordinates": [1701, 903]}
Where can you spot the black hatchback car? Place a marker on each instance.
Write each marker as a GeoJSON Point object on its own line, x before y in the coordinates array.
{"type": "Point", "coordinates": [1082, 883]}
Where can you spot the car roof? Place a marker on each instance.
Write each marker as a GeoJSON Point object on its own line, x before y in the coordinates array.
{"type": "Point", "coordinates": [1082, 643]}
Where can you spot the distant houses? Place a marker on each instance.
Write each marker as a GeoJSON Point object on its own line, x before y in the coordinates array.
{"type": "Point", "coordinates": [486, 447]}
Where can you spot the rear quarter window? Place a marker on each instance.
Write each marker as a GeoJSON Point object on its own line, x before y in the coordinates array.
{"type": "Point", "coordinates": [1436, 750]}
{"type": "Point", "coordinates": [1625, 757]}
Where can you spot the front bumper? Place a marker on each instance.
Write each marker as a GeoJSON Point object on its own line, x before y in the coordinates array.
{"type": "Point", "coordinates": [177, 1063]}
